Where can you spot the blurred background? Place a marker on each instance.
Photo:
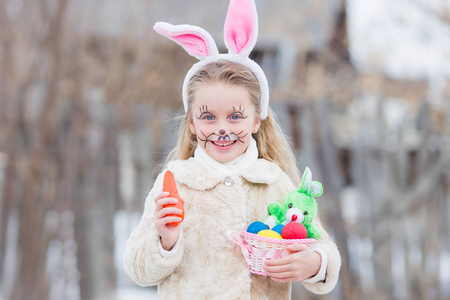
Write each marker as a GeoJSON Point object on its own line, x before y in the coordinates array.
{"type": "Point", "coordinates": [88, 99]}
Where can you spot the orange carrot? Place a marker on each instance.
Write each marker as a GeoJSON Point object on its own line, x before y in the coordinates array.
{"type": "Point", "coordinates": [170, 186]}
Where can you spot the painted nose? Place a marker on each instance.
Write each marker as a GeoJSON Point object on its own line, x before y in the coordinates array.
{"type": "Point", "coordinates": [222, 131]}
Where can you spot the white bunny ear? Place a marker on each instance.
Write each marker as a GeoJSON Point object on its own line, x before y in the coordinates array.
{"type": "Point", "coordinates": [195, 40]}
{"type": "Point", "coordinates": [315, 189]}
{"type": "Point", "coordinates": [241, 27]}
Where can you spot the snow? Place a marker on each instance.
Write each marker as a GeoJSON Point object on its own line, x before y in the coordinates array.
{"type": "Point", "coordinates": [444, 272]}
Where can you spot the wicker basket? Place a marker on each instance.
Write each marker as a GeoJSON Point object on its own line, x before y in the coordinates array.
{"type": "Point", "coordinates": [257, 249]}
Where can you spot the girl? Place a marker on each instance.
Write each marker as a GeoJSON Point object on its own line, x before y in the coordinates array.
{"type": "Point", "coordinates": [231, 161]}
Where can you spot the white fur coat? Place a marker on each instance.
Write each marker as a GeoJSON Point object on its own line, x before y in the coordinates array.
{"type": "Point", "coordinates": [205, 264]}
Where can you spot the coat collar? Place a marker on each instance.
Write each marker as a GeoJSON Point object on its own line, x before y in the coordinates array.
{"type": "Point", "coordinates": [202, 177]}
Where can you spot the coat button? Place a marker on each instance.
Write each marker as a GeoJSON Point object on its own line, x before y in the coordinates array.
{"type": "Point", "coordinates": [228, 182]}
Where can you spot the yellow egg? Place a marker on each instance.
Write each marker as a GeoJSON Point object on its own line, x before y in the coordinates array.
{"type": "Point", "coordinates": [270, 234]}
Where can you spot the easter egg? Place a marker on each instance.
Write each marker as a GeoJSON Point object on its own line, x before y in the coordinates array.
{"type": "Point", "coordinates": [270, 234]}
{"type": "Point", "coordinates": [256, 227]}
{"type": "Point", "coordinates": [278, 228]}
{"type": "Point", "coordinates": [294, 230]}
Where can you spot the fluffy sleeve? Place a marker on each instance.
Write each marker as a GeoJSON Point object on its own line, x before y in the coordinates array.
{"type": "Point", "coordinates": [143, 260]}
{"type": "Point", "coordinates": [326, 245]}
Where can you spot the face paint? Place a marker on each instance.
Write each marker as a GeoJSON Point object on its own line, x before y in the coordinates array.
{"type": "Point", "coordinates": [223, 118]}
{"type": "Point", "coordinates": [220, 139]}
{"type": "Point", "coordinates": [240, 111]}
{"type": "Point", "coordinates": [203, 110]}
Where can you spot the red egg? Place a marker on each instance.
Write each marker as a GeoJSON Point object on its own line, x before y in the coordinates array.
{"type": "Point", "coordinates": [294, 230]}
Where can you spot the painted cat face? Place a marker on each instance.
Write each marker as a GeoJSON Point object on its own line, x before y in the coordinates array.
{"type": "Point", "coordinates": [223, 120]}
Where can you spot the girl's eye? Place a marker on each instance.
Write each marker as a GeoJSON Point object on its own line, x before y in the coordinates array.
{"type": "Point", "coordinates": [235, 117]}
{"type": "Point", "coordinates": [209, 118]}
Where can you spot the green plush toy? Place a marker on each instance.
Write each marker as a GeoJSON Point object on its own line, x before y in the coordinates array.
{"type": "Point", "coordinates": [298, 206]}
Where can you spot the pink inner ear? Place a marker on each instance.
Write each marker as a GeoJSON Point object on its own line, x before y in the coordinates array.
{"type": "Point", "coordinates": [240, 25]}
{"type": "Point", "coordinates": [193, 42]}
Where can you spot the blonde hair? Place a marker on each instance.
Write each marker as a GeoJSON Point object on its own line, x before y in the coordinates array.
{"type": "Point", "coordinates": [271, 141]}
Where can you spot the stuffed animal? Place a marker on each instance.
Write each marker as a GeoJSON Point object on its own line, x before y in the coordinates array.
{"type": "Point", "coordinates": [298, 206]}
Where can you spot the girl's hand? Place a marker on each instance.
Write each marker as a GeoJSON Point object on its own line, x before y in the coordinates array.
{"type": "Point", "coordinates": [168, 233]}
{"type": "Point", "coordinates": [301, 264]}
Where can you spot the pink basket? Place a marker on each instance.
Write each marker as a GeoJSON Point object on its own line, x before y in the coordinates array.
{"type": "Point", "coordinates": [257, 249]}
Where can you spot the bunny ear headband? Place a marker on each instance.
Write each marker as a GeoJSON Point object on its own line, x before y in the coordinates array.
{"type": "Point", "coordinates": [240, 31]}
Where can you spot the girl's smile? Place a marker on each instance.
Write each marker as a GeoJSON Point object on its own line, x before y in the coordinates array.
{"type": "Point", "coordinates": [223, 120]}
{"type": "Point", "coordinates": [223, 141]}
